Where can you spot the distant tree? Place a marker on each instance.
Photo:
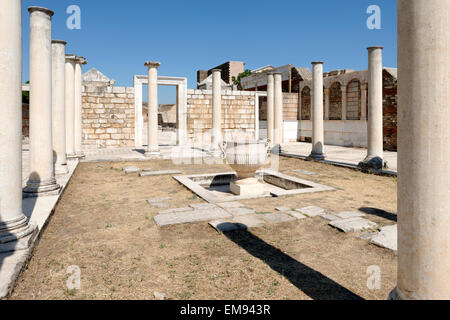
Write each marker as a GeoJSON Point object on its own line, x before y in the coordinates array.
{"type": "Point", "coordinates": [26, 95]}
{"type": "Point", "coordinates": [237, 80]}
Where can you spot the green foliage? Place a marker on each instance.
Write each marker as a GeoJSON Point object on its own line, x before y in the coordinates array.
{"type": "Point", "coordinates": [26, 95]}
{"type": "Point", "coordinates": [237, 81]}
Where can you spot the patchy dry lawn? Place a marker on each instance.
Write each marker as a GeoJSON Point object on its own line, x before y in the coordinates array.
{"type": "Point", "coordinates": [104, 225]}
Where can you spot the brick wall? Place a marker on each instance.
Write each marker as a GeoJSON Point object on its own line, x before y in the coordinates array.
{"type": "Point", "coordinates": [108, 116]}
{"type": "Point", "coordinates": [238, 112]}
{"type": "Point", "coordinates": [389, 112]}
{"type": "Point", "coordinates": [25, 122]}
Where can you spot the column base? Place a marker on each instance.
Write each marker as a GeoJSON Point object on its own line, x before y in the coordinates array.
{"type": "Point", "coordinates": [17, 235]}
{"type": "Point", "coordinates": [80, 155]}
{"type": "Point", "coordinates": [316, 157]}
{"type": "Point", "coordinates": [396, 295]}
{"type": "Point", "coordinates": [72, 156]}
{"type": "Point", "coordinates": [154, 154]}
{"type": "Point", "coordinates": [60, 170]}
{"type": "Point", "coordinates": [371, 163]}
{"type": "Point", "coordinates": [36, 189]}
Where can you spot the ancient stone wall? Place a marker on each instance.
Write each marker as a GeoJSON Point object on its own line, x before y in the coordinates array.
{"type": "Point", "coordinates": [108, 115]}
{"type": "Point", "coordinates": [238, 112]}
{"type": "Point", "coordinates": [389, 112]}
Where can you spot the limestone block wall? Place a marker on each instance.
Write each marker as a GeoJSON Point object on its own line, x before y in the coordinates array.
{"type": "Point", "coordinates": [108, 115]}
{"type": "Point", "coordinates": [238, 113]}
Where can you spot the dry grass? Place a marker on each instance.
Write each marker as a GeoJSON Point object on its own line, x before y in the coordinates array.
{"type": "Point", "coordinates": [104, 225]}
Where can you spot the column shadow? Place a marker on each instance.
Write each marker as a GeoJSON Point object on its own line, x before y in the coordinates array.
{"type": "Point", "coordinates": [379, 213]}
{"type": "Point", "coordinates": [313, 283]}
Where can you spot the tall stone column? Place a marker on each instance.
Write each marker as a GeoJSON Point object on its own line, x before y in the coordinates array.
{"type": "Point", "coordinates": [13, 223]}
{"type": "Point", "coordinates": [58, 105]}
{"type": "Point", "coordinates": [423, 150]}
{"type": "Point", "coordinates": [270, 108]}
{"type": "Point", "coordinates": [327, 104]}
{"type": "Point", "coordinates": [153, 145]}
{"type": "Point", "coordinates": [344, 102]}
{"type": "Point", "coordinates": [42, 177]}
{"type": "Point", "coordinates": [216, 112]}
{"type": "Point", "coordinates": [317, 113]}
{"type": "Point", "coordinates": [70, 106]}
{"type": "Point", "coordinates": [78, 110]}
{"type": "Point", "coordinates": [278, 112]}
{"type": "Point", "coordinates": [363, 102]}
{"type": "Point", "coordinates": [374, 159]}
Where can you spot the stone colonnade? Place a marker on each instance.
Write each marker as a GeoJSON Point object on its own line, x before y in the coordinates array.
{"type": "Point", "coordinates": [216, 113]}
{"type": "Point", "coordinates": [55, 95]}
{"type": "Point", "coordinates": [275, 111]}
{"type": "Point", "coordinates": [153, 145]}
{"type": "Point", "coordinates": [317, 112]}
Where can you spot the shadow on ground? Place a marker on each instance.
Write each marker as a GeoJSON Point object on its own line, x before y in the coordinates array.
{"type": "Point", "coordinates": [379, 213]}
{"type": "Point", "coordinates": [313, 283]}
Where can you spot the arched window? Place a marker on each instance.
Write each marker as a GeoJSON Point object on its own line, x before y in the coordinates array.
{"type": "Point", "coordinates": [335, 101]}
{"type": "Point", "coordinates": [306, 103]}
{"type": "Point", "coordinates": [354, 100]}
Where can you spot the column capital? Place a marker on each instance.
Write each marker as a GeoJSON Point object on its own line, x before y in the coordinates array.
{"type": "Point", "coordinates": [216, 70]}
{"type": "Point", "coordinates": [375, 48]}
{"type": "Point", "coordinates": [49, 12]}
{"type": "Point", "coordinates": [317, 62]}
{"type": "Point", "coordinates": [152, 64]}
{"type": "Point", "coordinates": [59, 42]}
{"type": "Point", "coordinates": [70, 57]}
{"type": "Point", "coordinates": [80, 60]}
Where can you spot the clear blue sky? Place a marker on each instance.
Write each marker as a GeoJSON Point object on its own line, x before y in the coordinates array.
{"type": "Point", "coordinates": [118, 36]}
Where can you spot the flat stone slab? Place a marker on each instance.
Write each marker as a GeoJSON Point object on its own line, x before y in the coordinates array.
{"type": "Point", "coordinates": [278, 217]}
{"type": "Point", "coordinates": [296, 215]}
{"type": "Point", "coordinates": [240, 211]}
{"type": "Point", "coordinates": [311, 211]}
{"type": "Point", "coordinates": [368, 235]}
{"type": "Point", "coordinates": [190, 217]}
{"type": "Point", "coordinates": [248, 221]}
{"type": "Point", "coordinates": [330, 217]}
{"type": "Point", "coordinates": [159, 202]}
{"type": "Point", "coordinates": [353, 224]}
{"type": "Point", "coordinates": [203, 206]}
{"type": "Point", "coordinates": [350, 214]}
{"type": "Point", "coordinates": [231, 204]}
{"type": "Point", "coordinates": [224, 225]}
{"type": "Point", "coordinates": [131, 169]}
{"type": "Point", "coordinates": [176, 210]}
{"type": "Point", "coordinates": [308, 173]}
{"type": "Point", "coordinates": [386, 238]}
{"type": "Point", "coordinates": [159, 173]}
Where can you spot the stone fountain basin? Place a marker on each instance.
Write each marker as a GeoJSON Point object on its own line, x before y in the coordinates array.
{"type": "Point", "coordinates": [215, 187]}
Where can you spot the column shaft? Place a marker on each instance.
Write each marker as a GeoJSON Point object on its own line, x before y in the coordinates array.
{"type": "Point", "coordinates": [216, 112]}
{"type": "Point", "coordinates": [317, 112]}
{"type": "Point", "coordinates": [70, 106]}
{"type": "Point", "coordinates": [363, 102]}
{"type": "Point", "coordinates": [58, 106]}
{"type": "Point", "coordinates": [42, 174]}
{"type": "Point", "coordinates": [78, 110]}
{"type": "Point", "coordinates": [13, 224]}
{"type": "Point", "coordinates": [424, 150]}
{"type": "Point", "coordinates": [270, 108]}
{"type": "Point", "coordinates": [153, 145]}
{"type": "Point", "coordinates": [374, 159]}
{"type": "Point", "coordinates": [278, 112]}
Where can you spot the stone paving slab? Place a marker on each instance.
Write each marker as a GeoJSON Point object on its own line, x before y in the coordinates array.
{"type": "Point", "coordinates": [240, 211]}
{"type": "Point", "coordinates": [186, 209]}
{"type": "Point", "coordinates": [159, 202]}
{"type": "Point", "coordinates": [330, 217]}
{"type": "Point", "coordinates": [350, 214]}
{"type": "Point", "coordinates": [308, 173]}
{"type": "Point", "coordinates": [249, 221]}
{"type": "Point", "coordinates": [297, 215]}
{"type": "Point", "coordinates": [283, 209]}
{"type": "Point", "coordinates": [224, 225]}
{"type": "Point", "coordinates": [231, 204]}
{"type": "Point", "coordinates": [311, 211]}
{"type": "Point", "coordinates": [131, 169]}
{"type": "Point", "coordinates": [203, 206]}
{"type": "Point", "coordinates": [190, 217]}
{"type": "Point", "coordinates": [386, 238]}
{"type": "Point", "coordinates": [159, 173]}
{"type": "Point", "coordinates": [353, 224]}
{"type": "Point", "coordinates": [277, 217]}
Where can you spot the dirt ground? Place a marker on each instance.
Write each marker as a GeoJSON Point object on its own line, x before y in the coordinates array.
{"type": "Point", "coordinates": [104, 225]}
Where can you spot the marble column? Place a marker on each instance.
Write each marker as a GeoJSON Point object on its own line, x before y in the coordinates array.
{"type": "Point", "coordinates": [363, 102]}
{"type": "Point", "coordinates": [70, 105]}
{"type": "Point", "coordinates": [374, 159]}
{"type": "Point", "coordinates": [78, 107]}
{"type": "Point", "coordinates": [13, 223]}
{"type": "Point", "coordinates": [58, 106]}
{"type": "Point", "coordinates": [423, 150]}
{"type": "Point", "coordinates": [153, 145]}
{"type": "Point", "coordinates": [327, 104]}
{"type": "Point", "coordinates": [344, 101]}
{"type": "Point", "coordinates": [216, 130]}
{"type": "Point", "coordinates": [278, 112]}
{"type": "Point", "coordinates": [42, 174]}
{"type": "Point", "coordinates": [317, 113]}
{"type": "Point", "coordinates": [270, 108]}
